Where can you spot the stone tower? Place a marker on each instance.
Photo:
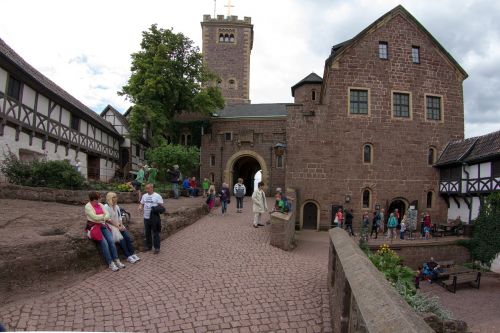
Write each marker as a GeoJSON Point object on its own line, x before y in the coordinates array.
{"type": "Point", "coordinates": [227, 43]}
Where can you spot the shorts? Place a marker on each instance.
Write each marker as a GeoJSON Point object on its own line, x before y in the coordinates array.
{"type": "Point", "coordinates": [427, 229]}
{"type": "Point", "coordinates": [136, 185]}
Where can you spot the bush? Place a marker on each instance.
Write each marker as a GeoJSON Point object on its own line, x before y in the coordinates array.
{"type": "Point", "coordinates": [53, 174]}
{"type": "Point", "coordinates": [485, 244]}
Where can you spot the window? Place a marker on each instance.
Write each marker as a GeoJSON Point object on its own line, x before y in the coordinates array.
{"type": "Point", "coordinates": [13, 88]}
{"type": "Point", "coordinates": [188, 140]}
{"type": "Point", "coordinates": [367, 154]}
{"type": "Point", "coordinates": [366, 198]}
{"type": "Point", "coordinates": [228, 136]}
{"type": "Point", "coordinates": [212, 160]}
{"type": "Point", "coordinates": [383, 50]}
{"type": "Point", "coordinates": [401, 105]}
{"type": "Point", "coordinates": [219, 83]}
{"type": "Point", "coordinates": [358, 101]}
{"type": "Point", "coordinates": [75, 122]}
{"type": "Point", "coordinates": [451, 173]}
{"type": "Point", "coordinates": [433, 104]}
{"type": "Point", "coordinates": [429, 199]}
{"type": "Point", "coordinates": [226, 38]}
{"type": "Point", "coordinates": [415, 54]}
{"type": "Point", "coordinates": [431, 156]}
{"type": "Point", "coordinates": [495, 169]}
{"type": "Point", "coordinates": [138, 151]}
{"type": "Point", "coordinates": [313, 95]}
{"type": "Point", "coordinates": [231, 38]}
{"type": "Point", "coordinates": [221, 38]}
{"type": "Point", "coordinates": [212, 177]}
{"type": "Point", "coordinates": [279, 161]}
{"type": "Point", "coordinates": [232, 83]}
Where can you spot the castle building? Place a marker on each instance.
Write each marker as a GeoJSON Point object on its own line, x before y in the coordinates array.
{"type": "Point", "coordinates": [363, 137]}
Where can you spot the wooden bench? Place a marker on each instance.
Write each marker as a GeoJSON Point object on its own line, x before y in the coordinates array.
{"type": "Point", "coordinates": [446, 263]}
{"type": "Point", "coordinates": [454, 280]}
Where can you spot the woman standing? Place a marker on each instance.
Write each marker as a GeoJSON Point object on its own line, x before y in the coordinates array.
{"type": "Point", "coordinates": [211, 198]}
{"type": "Point", "coordinates": [225, 197]}
{"type": "Point", "coordinates": [98, 231]}
{"type": "Point", "coordinates": [259, 205]}
{"type": "Point", "coordinates": [118, 230]}
{"type": "Point", "coordinates": [391, 225]}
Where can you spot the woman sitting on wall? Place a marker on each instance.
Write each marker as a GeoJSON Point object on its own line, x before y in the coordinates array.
{"type": "Point", "coordinates": [118, 230]}
{"type": "Point", "coordinates": [99, 231]}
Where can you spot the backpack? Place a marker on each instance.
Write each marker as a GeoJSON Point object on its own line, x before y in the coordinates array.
{"type": "Point", "coordinates": [240, 190]}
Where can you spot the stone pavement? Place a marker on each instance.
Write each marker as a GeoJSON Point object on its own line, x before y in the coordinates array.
{"type": "Point", "coordinates": [219, 274]}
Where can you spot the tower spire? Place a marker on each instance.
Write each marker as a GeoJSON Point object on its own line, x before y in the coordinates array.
{"type": "Point", "coordinates": [228, 6]}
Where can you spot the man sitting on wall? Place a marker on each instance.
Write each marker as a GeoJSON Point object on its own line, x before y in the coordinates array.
{"type": "Point", "coordinates": [193, 187]}
{"type": "Point", "coordinates": [185, 186]}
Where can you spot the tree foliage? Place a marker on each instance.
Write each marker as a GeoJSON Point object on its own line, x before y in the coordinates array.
{"type": "Point", "coordinates": [167, 155]}
{"type": "Point", "coordinates": [168, 77]}
{"type": "Point", "coordinates": [485, 244]}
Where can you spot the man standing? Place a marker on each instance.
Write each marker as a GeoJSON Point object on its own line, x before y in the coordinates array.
{"type": "Point", "coordinates": [259, 205]}
{"type": "Point", "coordinates": [139, 179]}
{"type": "Point", "coordinates": [239, 191]}
{"type": "Point", "coordinates": [348, 222]}
{"type": "Point", "coordinates": [175, 176]}
{"type": "Point", "coordinates": [152, 223]}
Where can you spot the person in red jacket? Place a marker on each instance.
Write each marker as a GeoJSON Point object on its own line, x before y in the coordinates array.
{"type": "Point", "coordinates": [193, 187]}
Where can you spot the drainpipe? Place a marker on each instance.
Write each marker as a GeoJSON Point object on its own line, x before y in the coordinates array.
{"type": "Point", "coordinates": [467, 190]}
{"type": "Point", "coordinates": [271, 172]}
{"type": "Point", "coordinates": [221, 169]}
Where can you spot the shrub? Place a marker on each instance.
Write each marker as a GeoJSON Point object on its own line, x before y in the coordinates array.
{"type": "Point", "coordinates": [123, 188]}
{"type": "Point", "coordinates": [16, 171]}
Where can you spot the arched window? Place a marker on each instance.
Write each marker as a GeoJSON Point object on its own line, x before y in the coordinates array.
{"type": "Point", "coordinates": [429, 199]}
{"type": "Point", "coordinates": [212, 177]}
{"type": "Point", "coordinates": [313, 95]}
{"type": "Point", "coordinates": [221, 38]}
{"type": "Point", "coordinates": [232, 84]}
{"type": "Point", "coordinates": [183, 139]}
{"type": "Point", "coordinates": [219, 83]}
{"type": "Point", "coordinates": [188, 140]}
{"type": "Point", "coordinates": [431, 156]}
{"type": "Point", "coordinates": [226, 38]}
{"type": "Point", "coordinates": [231, 38]}
{"type": "Point", "coordinates": [366, 198]}
{"type": "Point", "coordinates": [367, 153]}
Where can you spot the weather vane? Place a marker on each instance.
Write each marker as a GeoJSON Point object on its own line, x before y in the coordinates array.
{"type": "Point", "coordinates": [228, 7]}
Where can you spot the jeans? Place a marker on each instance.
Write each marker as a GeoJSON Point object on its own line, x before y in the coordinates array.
{"type": "Point", "coordinates": [175, 188]}
{"type": "Point", "coordinates": [402, 235]}
{"type": "Point", "coordinates": [374, 230]}
{"type": "Point", "coordinates": [193, 192]}
{"type": "Point", "coordinates": [148, 224]}
{"type": "Point", "coordinates": [348, 228]}
{"type": "Point", "coordinates": [223, 204]}
{"type": "Point", "coordinates": [108, 246]}
{"type": "Point", "coordinates": [127, 244]}
{"type": "Point", "coordinates": [239, 203]}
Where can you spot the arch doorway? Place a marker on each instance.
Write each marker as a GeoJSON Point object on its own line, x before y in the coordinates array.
{"type": "Point", "coordinates": [310, 216]}
{"type": "Point", "coordinates": [246, 167]}
{"type": "Point", "coordinates": [400, 205]}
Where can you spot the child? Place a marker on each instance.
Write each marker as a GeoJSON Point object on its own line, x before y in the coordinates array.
{"type": "Point", "coordinates": [205, 185]}
{"type": "Point", "coordinates": [403, 229]}
{"type": "Point", "coordinates": [225, 197]}
{"type": "Point", "coordinates": [427, 232]}
{"type": "Point", "coordinates": [211, 198]}
{"type": "Point", "coordinates": [279, 205]}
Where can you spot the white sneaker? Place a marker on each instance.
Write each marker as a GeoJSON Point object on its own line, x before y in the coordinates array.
{"type": "Point", "coordinates": [113, 267]}
{"type": "Point", "coordinates": [119, 264]}
{"type": "Point", "coordinates": [131, 259]}
{"type": "Point", "coordinates": [136, 257]}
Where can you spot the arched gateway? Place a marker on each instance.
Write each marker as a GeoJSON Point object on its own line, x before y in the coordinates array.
{"type": "Point", "coordinates": [245, 164]}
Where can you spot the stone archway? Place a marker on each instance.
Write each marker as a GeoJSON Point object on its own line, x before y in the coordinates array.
{"type": "Point", "coordinates": [309, 215]}
{"type": "Point", "coordinates": [398, 203]}
{"type": "Point", "coordinates": [248, 158]}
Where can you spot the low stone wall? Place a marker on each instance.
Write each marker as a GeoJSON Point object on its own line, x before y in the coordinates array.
{"type": "Point", "coordinates": [283, 226]}
{"type": "Point", "coordinates": [10, 191]}
{"type": "Point", "coordinates": [414, 254]}
{"type": "Point", "coordinates": [361, 299]}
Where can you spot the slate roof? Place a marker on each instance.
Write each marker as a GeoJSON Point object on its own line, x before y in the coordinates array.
{"type": "Point", "coordinates": [252, 111]}
{"type": "Point", "coordinates": [471, 150]}
{"type": "Point", "coordinates": [311, 78]}
{"type": "Point", "coordinates": [44, 85]}
{"type": "Point", "coordinates": [341, 47]}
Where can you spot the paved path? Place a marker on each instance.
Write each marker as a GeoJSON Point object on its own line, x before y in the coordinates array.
{"type": "Point", "coordinates": [219, 274]}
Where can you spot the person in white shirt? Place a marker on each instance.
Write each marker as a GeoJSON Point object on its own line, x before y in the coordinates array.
{"type": "Point", "coordinates": [152, 222]}
{"type": "Point", "coordinates": [259, 205]}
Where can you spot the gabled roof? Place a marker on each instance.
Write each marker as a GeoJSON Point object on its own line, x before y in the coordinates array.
{"type": "Point", "coordinates": [117, 113]}
{"type": "Point", "coordinates": [312, 78]}
{"type": "Point", "coordinates": [471, 150]}
{"type": "Point", "coordinates": [341, 47]}
{"type": "Point", "coordinates": [23, 71]}
{"type": "Point", "coordinates": [252, 111]}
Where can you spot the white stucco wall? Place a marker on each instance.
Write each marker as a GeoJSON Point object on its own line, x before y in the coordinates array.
{"type": "Point", "coordinates": [66, 116]}
{"type": "Point", "coordinates": [463, 211]}
{"type": "Point", "coordinates": [107, 172]}
{"type": "Point", "coordinates": [485, 169]}
{"type": "Point", "coordinates": [43, 105]}
{"type": "Point", "coordinates": [29, 96]}
{"type": "Point", "coordinates": [3, 80]}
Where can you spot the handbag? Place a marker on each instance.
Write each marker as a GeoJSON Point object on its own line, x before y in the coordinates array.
{"type": "Point", "coordinates": [115, 232]}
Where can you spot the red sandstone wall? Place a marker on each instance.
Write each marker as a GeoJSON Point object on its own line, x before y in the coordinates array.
{"type": "Point", "coordinates": [325, 150]}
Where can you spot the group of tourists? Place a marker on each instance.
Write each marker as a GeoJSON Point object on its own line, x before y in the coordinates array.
{"type": "Point", "coordinates": [105, 226]}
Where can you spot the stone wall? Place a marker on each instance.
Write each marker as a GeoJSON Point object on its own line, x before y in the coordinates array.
{"type": "Point", "coordinates": [283, 226]}
{"type": "Point", "coordinates": [415, 254]}
{"type": "Point", "coordinates": [361, 299]}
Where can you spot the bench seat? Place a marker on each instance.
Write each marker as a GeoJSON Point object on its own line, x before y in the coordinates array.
{"type": "Point", "coordinates": [451, 283]}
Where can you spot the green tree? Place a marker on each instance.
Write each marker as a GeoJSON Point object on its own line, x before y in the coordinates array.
{"type": "Point", "coordinates": [168, 77]}
{"type": "Point", "coordinates": [167, 155]}
{"type": "Point", "coordinates": [485, 244]}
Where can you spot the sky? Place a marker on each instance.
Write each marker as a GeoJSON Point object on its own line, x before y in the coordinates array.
{"type": "Point", "coordinates": [85, 46]}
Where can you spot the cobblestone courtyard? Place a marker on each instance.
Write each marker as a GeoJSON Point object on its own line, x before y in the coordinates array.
{"type": "Point", "coordinates": [219, 274]}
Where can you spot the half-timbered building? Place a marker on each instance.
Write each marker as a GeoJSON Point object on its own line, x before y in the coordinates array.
{"type": "Point", "coordinates": [469, 170]}
{"type": "Point", "coordinates": [40, 119]}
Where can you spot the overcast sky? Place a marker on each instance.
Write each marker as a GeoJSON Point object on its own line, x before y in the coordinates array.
{"type": "Point", "coordinates": [85, 46]}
